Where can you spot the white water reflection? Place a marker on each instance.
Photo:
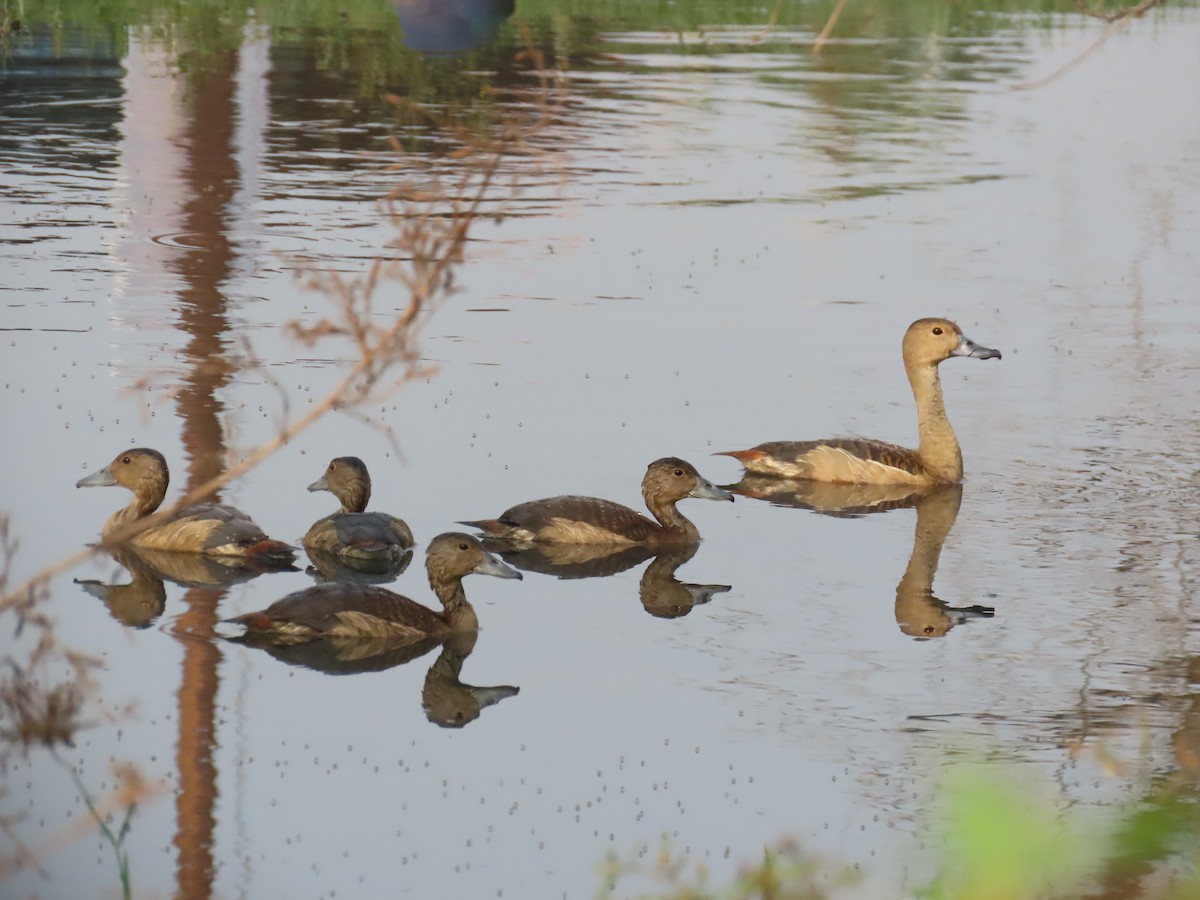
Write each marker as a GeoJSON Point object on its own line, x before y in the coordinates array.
{"type": "Point", "coordinates": [728, 259]}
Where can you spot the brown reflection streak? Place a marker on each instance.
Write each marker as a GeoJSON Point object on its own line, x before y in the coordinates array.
{"type": "Point", "coordinates": [211, 174]}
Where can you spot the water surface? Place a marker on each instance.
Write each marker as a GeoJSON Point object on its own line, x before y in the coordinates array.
{"type": "Point", "coordinates": [720, 242]}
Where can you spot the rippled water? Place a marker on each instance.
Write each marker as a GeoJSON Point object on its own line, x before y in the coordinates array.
{"type": "Point", "coordinates": [720, 243]}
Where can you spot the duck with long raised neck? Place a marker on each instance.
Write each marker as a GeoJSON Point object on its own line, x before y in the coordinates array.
{"type": "Point", "coordinates": [938, 457]}
{"type": "Point", "coordinates": [209, 528]}
{"type": "Point", "coordinates": [573, 519]}
{"type": "Point", "coordinates": [352, 532]}
{"type": "Point", "coordinates": [366, 611]}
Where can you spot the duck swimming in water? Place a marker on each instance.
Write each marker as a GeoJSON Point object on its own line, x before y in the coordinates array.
{"type": "Point", "coordinates": [938, 457]}
{"type": "Point", "coordinates": [352, 532]}
{"type": "Point", "coordinates": [588, 520]}
{"type": "Point", "coordinates": [209, 528]}
{"type": "Point", "coordinates": [353, 610]}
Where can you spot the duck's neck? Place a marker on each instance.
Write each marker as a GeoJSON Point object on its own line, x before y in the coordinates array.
{"type": "Point", "coordinates": [354, 498]}
{"type": "Point", "coordinates": [146, 499]}
{"type": "Point", "coordinates": [675, 525]}
{"type": "Point", "coordinates": [938, 446]}
{"type": "Point", "coordinates": [458, 613]}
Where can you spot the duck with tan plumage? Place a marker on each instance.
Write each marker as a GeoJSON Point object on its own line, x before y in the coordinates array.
{"type": "Point", "coordinates": [352, 532]}
{"type": "Point", "coordinates": [938, 457]}
{"type": "Point", "coordinates": [213, 529]}
{"type": "Point", "coordinates": [572, 519]}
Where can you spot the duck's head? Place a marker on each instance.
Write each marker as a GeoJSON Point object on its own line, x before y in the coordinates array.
{"type": "Point", "coordinates": [672, 478]}
{"type": "Point", "coordinates": [140, 469]}
{"type": "Point", "coordinates": [347, 479]}
{"type": "Point", "coordinates": [453, 555]}
{"type": "Point", "coordinates": [930, 341]}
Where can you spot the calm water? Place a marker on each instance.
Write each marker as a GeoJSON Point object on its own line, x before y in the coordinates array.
{"type": "Point", "coordinates": [721, 243]}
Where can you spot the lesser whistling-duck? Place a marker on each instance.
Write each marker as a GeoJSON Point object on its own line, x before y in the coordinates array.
{"type": "Point", "coordinates": [938, 457]}
{"type": "Point", "coordinates": [353, 532]}
{"type": "Point", "coordinates": [589, 520]}
{"type": "Point", "coordinates": [209, 528]}
{"type": "Point", "coordinates": [353, 610]}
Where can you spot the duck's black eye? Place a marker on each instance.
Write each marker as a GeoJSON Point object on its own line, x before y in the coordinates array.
{"type": "Point", "coordinates": [679, 473]}
{"type": "Point", "coordinates": [928, 629]}
{"type": "Point", "coordinates": [937, 329]}
{"type": "Point", "coordinates": [464, 546]}
{"type": "Point", "coordinates": [126, 460]}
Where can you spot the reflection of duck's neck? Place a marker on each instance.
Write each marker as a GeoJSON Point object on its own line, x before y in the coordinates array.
{"type": "Point", "coordinates": [675, 524]}
{"type": "Point", "coordinates": [936, 513]}
{"type": "Point", "coordinates": [448, 666]}
{"type": "Point", "coordinates": [938, 445]}
{"type": "Point", "coordinates": [918, 612]}
{"type": "Point", "coordinates": [449, 702]}
{"type": "Point", "coordinates": [665, 596]}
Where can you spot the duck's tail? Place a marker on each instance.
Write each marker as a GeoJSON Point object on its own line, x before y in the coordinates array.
{"type": "Point", "coordinates": [276, 551]}
{"type": "Point", "coordinates": [489, 526]}
{"type": "Point", "coordinates": [254, 621]}
{"type": "Point", "coordinates": [742, 456]}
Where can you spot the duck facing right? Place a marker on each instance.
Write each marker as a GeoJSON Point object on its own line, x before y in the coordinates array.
{"type": "Point", "coordinates": [938, 457]}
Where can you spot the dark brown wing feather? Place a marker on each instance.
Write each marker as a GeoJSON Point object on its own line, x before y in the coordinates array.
{"type": "Point", "coordinates": [539, 515]}
{"type": "Point", "coordinates": [318, 607]}
{"type": "Point", "coordinates": [365, 531]}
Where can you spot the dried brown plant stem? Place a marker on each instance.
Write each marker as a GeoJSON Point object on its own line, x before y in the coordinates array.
{"type": "Point", "coordinates": [828, 29]}
{"type": "Point", "coordinates": [771, 22]}
{"type": "Point", "coordinates": [1116, 21]}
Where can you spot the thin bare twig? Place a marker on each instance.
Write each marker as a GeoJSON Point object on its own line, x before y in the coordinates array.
{"type": "Point", "coordinates": [1116, 21]}
{"type": "Point", "coordinates": [828, 29]}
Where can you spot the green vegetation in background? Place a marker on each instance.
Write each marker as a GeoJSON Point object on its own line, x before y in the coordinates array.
{"type": "Point", "coordinates": [1000, 841]}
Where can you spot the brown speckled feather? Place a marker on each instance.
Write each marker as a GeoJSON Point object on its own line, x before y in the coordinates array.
{"type": "Point", "coordinates": [359, 609]}
{"type": "Point", "coordinates": [359, 534]}
{"type": "Point", "coordinates": [553, 518]}
{"type": "Point", "coordinates": [843, 460]}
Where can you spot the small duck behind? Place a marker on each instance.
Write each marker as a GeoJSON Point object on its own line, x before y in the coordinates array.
{"type": "Point", "coordinates": [573, 519]}
{"type": "Point", "coordinates": [354, 610]}
{"type": "Point", "coordinates": [352, 532]}
{"type": "Point", "coordinates": [209, 528]}
{"type": "Point", "coordinates": [938, 457]}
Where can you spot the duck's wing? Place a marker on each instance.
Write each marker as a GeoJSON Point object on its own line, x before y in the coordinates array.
{"type": "Point", "coordinates": [214, 529]}
{"type": "Point", "coordinates": [571, 519]}
{"type": "Point", "coordinates": [358, 610]}
{"type": "Point", "coordinates": [839, 460]}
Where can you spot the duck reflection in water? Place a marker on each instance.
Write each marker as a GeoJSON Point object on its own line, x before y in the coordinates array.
{"type": "Point", "coordinates": [918, 612]}
{"type": "Point", "coordinates": [662, 595]}
{"type": "Point", "coordinates": [447, 701]}
{"type": "Point", "coordinates": [140, 602]}
{"type": "Point", "coordinates": [330, 567]}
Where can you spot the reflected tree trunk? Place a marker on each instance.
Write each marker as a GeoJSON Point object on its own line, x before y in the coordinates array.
{"type": "Point", "coordinates": [210, 178]}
